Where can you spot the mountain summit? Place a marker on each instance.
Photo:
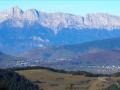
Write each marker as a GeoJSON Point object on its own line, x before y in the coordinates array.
{"type": "Point", "coordinates": [23, 30]}
{"type": "Point", "coordinates": [58, 21]}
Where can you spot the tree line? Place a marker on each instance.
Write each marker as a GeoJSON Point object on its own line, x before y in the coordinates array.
{"type": "Point", "coordinates": [85, 73]}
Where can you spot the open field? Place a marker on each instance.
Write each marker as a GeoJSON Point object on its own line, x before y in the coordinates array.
{"type": "Point", "coordinates": [48, 80]}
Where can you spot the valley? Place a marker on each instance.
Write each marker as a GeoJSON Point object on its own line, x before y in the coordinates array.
{"type": "Point", "coordinates": [95, 56]}
{"type": "Point", "coordinates": [73, 45]}
{"type": "Point", "coordinates": [59, 40]}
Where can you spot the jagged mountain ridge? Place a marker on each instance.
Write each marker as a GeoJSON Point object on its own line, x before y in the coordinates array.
{"type": "Point", "coordinates": [24, 30]}
{"type": "Point", "coordinates": [58, 21]}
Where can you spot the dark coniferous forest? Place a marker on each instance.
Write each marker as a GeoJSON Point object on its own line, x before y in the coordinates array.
{"type": "Point", "coordinates": [10, 80]}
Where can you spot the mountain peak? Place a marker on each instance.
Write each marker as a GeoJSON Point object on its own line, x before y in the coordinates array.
{"type": "Point", "coordinates": [58, 21]}
{"type": "Point", "coordinates": [16, 12]}
{"type": "Point", "coordinates": [16, 8]}
{"type": "Point", "coordinates": [31, 14]}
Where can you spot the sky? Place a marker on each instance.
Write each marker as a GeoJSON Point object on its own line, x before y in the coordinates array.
{"type": "Point", "coordinates": [78, 7]}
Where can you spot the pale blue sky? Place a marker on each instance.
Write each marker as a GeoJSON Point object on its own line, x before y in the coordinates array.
{"type": "Point", "coordinates": [78, 7]}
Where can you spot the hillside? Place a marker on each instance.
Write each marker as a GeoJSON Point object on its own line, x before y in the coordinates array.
{"type": "Point", "coordinates": [96, 56]}
{"type": "Point", "coordinates": [6, 60]}
{"type": "Point", "coordinates": [9, 80]}
{"type": "Point", "coordinates": [101, 50]}
{"type": "Point", "coordinates": [31, 28]}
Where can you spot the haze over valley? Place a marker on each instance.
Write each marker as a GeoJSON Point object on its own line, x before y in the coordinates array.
{"type": "Point", "coordinates": [35, 38]}
{"type": "Point", "coordinates": [59, 45]}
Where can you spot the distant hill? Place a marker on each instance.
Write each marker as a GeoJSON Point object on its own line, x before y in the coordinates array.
{"type": "Point", "coordinates": [4, 58]}
{"type": "Point", "coordinates": [73, 57]}
{"type": "Point", "coordinates": [7, 61]}
{"type": "Point", "coordinates": [70, 57]}
{"type": "Point", "coordinates": [106, 46]}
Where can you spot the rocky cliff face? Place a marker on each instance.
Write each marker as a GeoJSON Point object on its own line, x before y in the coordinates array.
{"type": "Point", "coordinates": [22, 30]}
{"type": "Point", "coordinates": [58, 21]}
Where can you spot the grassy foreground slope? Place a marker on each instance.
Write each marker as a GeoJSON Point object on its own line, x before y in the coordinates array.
{"type": "Point", "coordinates": [49, 80]}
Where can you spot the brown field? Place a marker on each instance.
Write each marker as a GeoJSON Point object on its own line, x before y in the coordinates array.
{"type": "Point", "coordinates": [48, 80]}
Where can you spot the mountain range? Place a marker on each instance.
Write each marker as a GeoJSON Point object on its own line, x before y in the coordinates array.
{"type": "Point", "coordinates": [58, 21]}
{"type": "Point", "coordinates": [59, 40]}
{"type": "Point", "coordinates": [24, 30]}
{"type": "Point", "coordinates": [99, 49]}
{"type": "Point", "coordinates": [100, 56]}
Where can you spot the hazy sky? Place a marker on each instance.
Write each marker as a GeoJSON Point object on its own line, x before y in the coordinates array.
{"type": "Point", "coordinates": [79, 7]}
